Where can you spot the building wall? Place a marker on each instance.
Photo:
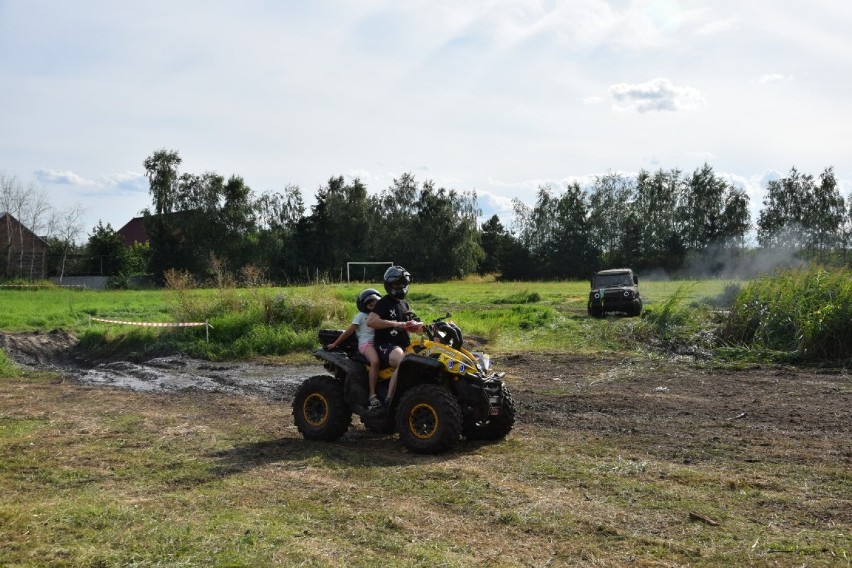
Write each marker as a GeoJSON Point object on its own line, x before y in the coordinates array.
{"type": "Point", "coordinates": [27, 259]}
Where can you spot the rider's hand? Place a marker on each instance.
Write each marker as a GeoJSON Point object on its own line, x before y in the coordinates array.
{"type": "Point", "coordinates": [414, 326]}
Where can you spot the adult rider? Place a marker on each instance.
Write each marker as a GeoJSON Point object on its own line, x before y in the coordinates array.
{"type": "Point", "coordinates": [392, 320]}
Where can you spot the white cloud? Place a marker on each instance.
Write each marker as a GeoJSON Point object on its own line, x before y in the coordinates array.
{"type": "Point", "coordinates": [129, 181]}
{"type": "Point", "coordinates": [774, 78]}
{"type": "Point", "coordinates": [64, 177]}
{"type": "Point", "coordinates": [656, 95]}
{"type": "Point", "coordinates": [702, 156]}
{"type": "Point", "coordinates": [126, 181]}
{"type": "Point", "coordinates": [717, 27]}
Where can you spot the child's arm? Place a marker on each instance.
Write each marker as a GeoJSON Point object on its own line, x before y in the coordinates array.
{"type": "Point", "coordinates": [343, 336]}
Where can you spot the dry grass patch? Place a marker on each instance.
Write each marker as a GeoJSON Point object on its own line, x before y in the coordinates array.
{"type": "Point", "coordinates": [102, 477]}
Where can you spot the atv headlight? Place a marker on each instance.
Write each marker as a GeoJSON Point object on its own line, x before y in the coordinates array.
{"type": "Point", "coordinates": [483, 360]}
{"type": "Point", "coordinates": [626, 294]}
{"type": "Point", "coordinates": [597, 296]}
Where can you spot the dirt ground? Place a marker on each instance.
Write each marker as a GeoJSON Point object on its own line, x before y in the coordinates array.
{"type": "Point", "coordinates": [672, 408]}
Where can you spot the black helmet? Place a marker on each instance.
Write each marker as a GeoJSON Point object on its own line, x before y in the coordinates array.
{"type": "Point", "coordinates": [365, 297]}
{"type": "Point", "coordinates": [395, 275]}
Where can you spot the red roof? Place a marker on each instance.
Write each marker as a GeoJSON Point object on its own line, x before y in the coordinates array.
{"type": "Point", "coordinates": [134, 232]}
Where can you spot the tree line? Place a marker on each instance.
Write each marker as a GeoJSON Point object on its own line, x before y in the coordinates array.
{"type": "Point", "coordinates": [668, 220]}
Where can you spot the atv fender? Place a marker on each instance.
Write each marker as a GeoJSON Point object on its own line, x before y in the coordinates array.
{"type": "Point", "coordinates": [338, 363]}
{"type": "Point", "coordinates": [417, 370]}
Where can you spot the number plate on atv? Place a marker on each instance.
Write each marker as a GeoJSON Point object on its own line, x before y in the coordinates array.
{"type": "Point", "coordinates": [494, 403]}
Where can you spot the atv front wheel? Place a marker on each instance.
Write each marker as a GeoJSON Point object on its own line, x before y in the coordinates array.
{"type": "Point", "coordinates": [496, 427]}
{"type": "Point", "coordinates": [319, 409]}
{"type": "Point", "coordinates": [429, 419]}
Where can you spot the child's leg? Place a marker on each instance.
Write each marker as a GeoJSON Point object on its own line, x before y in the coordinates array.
{"type": "Point", "coordinates": [373, 357]}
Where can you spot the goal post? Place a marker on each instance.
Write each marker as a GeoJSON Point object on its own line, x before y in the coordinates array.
{"type": "Point", "coordinates": [350, 264]}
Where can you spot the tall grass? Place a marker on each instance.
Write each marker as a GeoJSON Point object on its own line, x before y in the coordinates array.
{"type": "Point", "coordinates": [255, 321]}
{"type": "Point", "coordinates": [805, 312]}
{"type": "Point", "coordinates": [7, 367]}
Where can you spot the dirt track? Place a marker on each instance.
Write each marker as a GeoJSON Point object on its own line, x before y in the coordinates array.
{"type": "Point", "coordinates": [672, 409]}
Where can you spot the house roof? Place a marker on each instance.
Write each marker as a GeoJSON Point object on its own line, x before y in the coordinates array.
{"type": "Point", "coordinates": [134, 232]}
{"type": "Point", "coordinates": [27, 229]}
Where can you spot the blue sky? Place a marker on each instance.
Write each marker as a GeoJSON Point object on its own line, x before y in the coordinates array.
{"type": "Point", "coordinates": [497, 96]}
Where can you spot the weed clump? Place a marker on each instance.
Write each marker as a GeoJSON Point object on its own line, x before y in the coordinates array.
{"type": "Point", "coordinates": [522, 297]}
{"type": "Point", "coordinates": [7, 367]}
{"type": "Point", "coordinates": [677, 326]}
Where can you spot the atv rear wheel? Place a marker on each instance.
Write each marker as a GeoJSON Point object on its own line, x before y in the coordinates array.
{"type": "Point", "coordinates": [429, 419]}
{"type": "Point", "coordinates": [319, 409]}
{"type": "Point", "coordinates": [496, 427]}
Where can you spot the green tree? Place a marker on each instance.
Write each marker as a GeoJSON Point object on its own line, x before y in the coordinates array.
{"type": "Point", "coordinates": [493, 240]}
{"type": "Point", "coordinates": [445, 231]}
{"type": "Point", "coordinates": [106, 251]}
{"type": "Point", "coordinates": [657, 197]}
{"type": "Point", "coordinates": [338, 228]}
{"type": "Point", "coordinates": [574, 255]}
{"type": "Point", "coordinates": [161, 168]}
{"type": "Point", "coordinates": [701, 208]}
{"type": "Point", "coordinates": [781, 221]}
{"type": "Point", "coordinates": [824, 214]}
{"type": "Point", "coordinates": [556, 233]}
{"type": "Point", "coordinates": [393, 211]}
{"type": "Point", "coordinates": [736, 219]}
{"type": "Point", "coordinates": [278, 218]}
{"type": "Point", "coordinates": [612, 224]}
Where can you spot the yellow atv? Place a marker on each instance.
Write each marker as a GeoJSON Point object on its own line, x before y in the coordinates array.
{"type": "Point", "coordinates": [443, 391]}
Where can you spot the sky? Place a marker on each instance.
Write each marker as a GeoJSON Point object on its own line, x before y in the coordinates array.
{"type": "Point", "coordinates": [499, 97]}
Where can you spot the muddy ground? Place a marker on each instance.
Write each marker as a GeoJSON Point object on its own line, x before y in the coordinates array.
{"type": "Point", "coordinates": [673, 408]}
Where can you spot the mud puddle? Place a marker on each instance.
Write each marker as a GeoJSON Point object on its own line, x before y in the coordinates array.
{"type": "Point", "coordinates": [180, 373]}
{"type": "Point", "coordinates": [54, 351]}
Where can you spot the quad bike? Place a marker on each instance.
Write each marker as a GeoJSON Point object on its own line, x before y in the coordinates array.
{"type": "Point", "coordinates": [443, 391]}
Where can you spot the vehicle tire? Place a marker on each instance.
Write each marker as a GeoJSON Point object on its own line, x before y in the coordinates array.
{"type": "Point", "coordinates": [596, 312]}
{"type": "Point", "coordinates": [496, 427]}
{"type": "Point", "coordinates": [636, 310]}
{"type": "Point", "coordinates": [319, 409]}
{"type": "Point", "coordinates": [429, 419]}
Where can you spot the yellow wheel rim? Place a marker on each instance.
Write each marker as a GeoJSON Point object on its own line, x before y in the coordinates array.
{"type": "Point", "coordinates": [423, 421]}
{"type": "Point", "coordinates": [315, 409]}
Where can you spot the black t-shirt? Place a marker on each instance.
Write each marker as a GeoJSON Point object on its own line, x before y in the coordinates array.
{"type": "Point", "coordinates": [391, 309]}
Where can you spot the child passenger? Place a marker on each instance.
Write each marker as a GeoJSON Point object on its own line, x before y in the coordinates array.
{"type": "Point", "coordinates": [365, 302]}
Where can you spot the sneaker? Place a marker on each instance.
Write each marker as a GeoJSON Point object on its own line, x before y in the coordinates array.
{"type": "Point", "coordinates": [375, 402]}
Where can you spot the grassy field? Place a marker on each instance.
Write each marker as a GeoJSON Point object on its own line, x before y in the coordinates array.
{"type": "Point", "coordinates": [104, 477]}
{"type": "Point", "coordinates": [509, 316]}
{"type": "Point", "coordinates": [606, 466]}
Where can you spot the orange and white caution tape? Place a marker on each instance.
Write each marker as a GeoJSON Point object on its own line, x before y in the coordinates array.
{"type": "Point", "coordinates": [152, 324]}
